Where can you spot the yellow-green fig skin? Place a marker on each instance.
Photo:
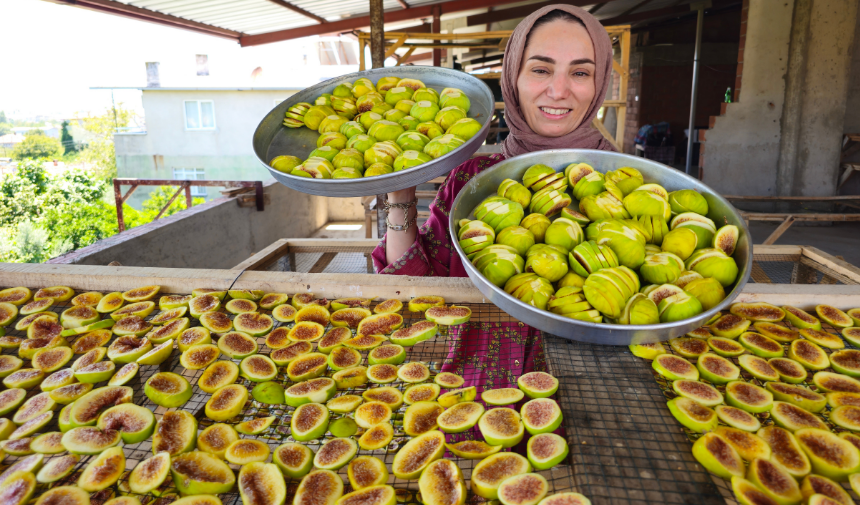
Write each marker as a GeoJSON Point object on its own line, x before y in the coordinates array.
{"type": "Point", "coordinates": [714, 263]}
{"type": "Point", "coordinates": [530, 289]}
{"type": "Point", "coordinates": [498, 263]}
{"type": "Point", "coordinates": [464, 128]}
{"type": "Point", "coordinates": [378, 169]}
{"type": "Point", "coordinates": [394, 95]}
{"type": "Point", "coordinates": [382, 152]}
{"type": "Point", "coordinates": [447, 116]}
{"type": "Point", "coordinates": [688, 200]}
{"type": "Point", "coordinates": [385, 130]}
{"type": "Point", "coordinates": [412, 141]}
{"type": "Point", "coordinates": [454, 98]}
{"type": "Point", "coordinates": [564, 233]}
{"type": "Point", "coordinates": [590, 184]}
{"type": "Point", "coordinates": [360, 142]}
{"type": "Point", "coordinates": [549, 262]}
{"type": "Point", "coordinates": [626, 178]}
{"type": "Point", "coordinates": [285, 164]}
{"type": "Point", "coordinates": [404, 106]}
{"type": "Point", "coordinates": [707, 290]}
{"type": "Point", "coordinates": [537, 224]}
{"type": "Point", "coordinates": [517, 237]}
{"type": "Point", "coordinates": [424, 111]}
{"type": "Point", "coordinates": [332, 123]}
{"type": "Point", "coordinates": [386, 83]}
{"type": "Point", "coordinates": [645, 203]}
{"type": "Point", "coordinates": [409, 123]}
{"type": "Point", "coordinates": [326, 152]}
{"type": "Point", "coordinates": [443, 145]}
{"type": "Point", "coordinates": [349, 157]}
{"type": "Point", "coordinates": [369, 101]}
{"type": "Point", "coordinates": [512, 190]}
{"type": "Point", "coordinates": [429, 128]}
{"type": "Point", "coordinates": [409, 159]}
{"type": "Point", "coordinates": [428, 94]}
{"type": "Point", "coordinates": [499, 212]}
{"type": "Point", "coordinates": [316, 114]}
{"type": "Point", "coordinates": [367, 119]}
{"type": "Point", "coordinates": [352, 128]}
{"type": "Point", "coordinates": [661, 268]}
{"type": "Point", "coordinates": [346, 173]}
{"type": "Point", "coordinates": [333, 139]}
{"type": "Point", "coordinates": [680, 242]}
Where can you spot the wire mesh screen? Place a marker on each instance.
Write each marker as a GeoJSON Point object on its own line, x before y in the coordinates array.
{"type": "Point", "coordinates": [490, 351]}
{"type": "Point", "coordinates": [793, 269]}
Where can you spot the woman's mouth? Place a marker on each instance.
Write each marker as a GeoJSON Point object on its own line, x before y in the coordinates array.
{"type": "Point", "coordinates": [554, 113]}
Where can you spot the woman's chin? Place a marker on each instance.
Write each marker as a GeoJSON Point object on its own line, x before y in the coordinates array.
{"type": "Point", "coordinates": [553, 130]}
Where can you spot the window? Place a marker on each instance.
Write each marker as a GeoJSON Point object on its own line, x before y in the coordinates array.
{"type": "Point", "coordinates": [191, 174]}
{"type": "Point", "coordinates": [336, 52]}
{"type": "Point", "coordinates": [199, 115]}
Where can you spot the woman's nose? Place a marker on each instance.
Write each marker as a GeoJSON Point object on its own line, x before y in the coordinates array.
{"type": "Point", "coordinates": [559, 88]}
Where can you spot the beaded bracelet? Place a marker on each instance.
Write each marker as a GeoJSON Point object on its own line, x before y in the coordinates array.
{"type": "Point", "coordinates": [405, 206]}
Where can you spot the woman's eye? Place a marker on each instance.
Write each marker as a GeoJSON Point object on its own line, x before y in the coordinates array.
{"type": "Point", "coordinates": [539, 71]}
{"type": "Point", "coordinates": [581, 74]}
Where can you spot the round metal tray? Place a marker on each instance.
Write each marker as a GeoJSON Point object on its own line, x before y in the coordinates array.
{"type": "Point", "coordinates": [485, 184]}
{"type": "Point", "coordinates": [273, 139]}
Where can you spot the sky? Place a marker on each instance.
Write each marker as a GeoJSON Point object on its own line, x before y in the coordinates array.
{"type": "Point", "coordinates": [53, 54]}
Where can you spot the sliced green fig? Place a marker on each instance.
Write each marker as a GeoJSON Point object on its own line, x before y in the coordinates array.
{"type": "Point", "coordinates": [414, 456]}
{"type": "Point", "coordinates": [24, 378]}
{"type": "Point", "coordinates": [127, 349]}
{"type": "Point", "coordinates": [245, 294]}
{"type": "Point", "coordinates": [335, 453]}
{"type": "Point", "coordinates": [758, 367]}
{"type": "Point", "coordinates": [199, 472]}
{"type": "Point", "coordinates": [546, 450]}
{"type": "Point", "coordinates": [490, 472]}
{"type": "Point", "coordinates": [149, 474]}
{"type": "Point", "coordinates": [350, 378]}
{"type": "Point", "coordinates": [503, 396]}
{"type": "Point", "coordinates": [255, 426]}
{"type": "Point", "coordinates": [366, 471]}
{"type": "Point", "coordinates": [688, 347]}
{"type": "Point", "coordinates": [700, 392]}
{"type": "Point", "coordinates": [382, 374]}
{"type": "Point", "coordinates": [758, 311]}
{"type": "Point", "coordinates": [110, 303]}
{"type": "Point", "coordinates": [226, 403]}
{"type": "Point", "coordinates": [380, 324]}
{"type": "Point", "coordinates": [760, 345]}
{"type": "Point", "coordinates": [262, 484]}
{"type": "Point", "coordinates": [834, 382]}
{"type": "Point", "coordinates": [717, 369]}
{"type": "Point", "coordinates": [284, 313]}
{"type": "Point", "coordinates": [48, 443]}
{"type": "Point", "coordinates": [10, 342]}
{"type": "Point", "coordinates": [730, 326]}
{"type": "Point", "coordinates": [852, 335]}
{"type": "Point", "coordinates": [258, 368]}
{"type": "Point", "coordinates": [789, 370]}
{"type": "Point", "coordinates": [294, 460]}
{"type": "Point", "coordinates": [246, 451]}
{"type": "Point", "coordinates": [216, 438]}
{"type": "Point", "coordinates": [822, 338]}
{"type": "Point", "coordinates": [216, 322]}
{"type": "Point", "coordinates": [799, 318]}
{"type": "Point", "coordinates": [833, 316]}
{"type": "Point", "coordinates": [344, 303]}
{"type": "Point", "coordinates": [387, 395]}
{"type": "Point", "coordinates": [237, 345]}
{"type": "Point", "coordinates": [725, 347]}
{"type": "Point", "coordinates": [842, 398]}
{"type": "Point", "coordinates": [501, 426]}
{"type": "Point", "coordinates": [675, 367]}
{"type": "Point", "coordinates": [8, 313]}
{"type": "Point", "coordinates": [785, 450]}
{"type": "Point", "coordinates": [372, 413]}
{"type": "Point", "coordinates": [314, 313]}
{"type": "Point", "coordinates": [11, 399]}
{"type": "Point", "coordinates": [103, 471]}
{"type": "Point", "coordinates": [168, 389]}
{"type": "Point", "coordinates": [523, 489]}
{"type": "Point", "coordinates": [460, 417]}
{"type": "Point", "coordinates": [448, 316]}
{"type": "Point", "coordinates": [749, 397]}
{"type": "Point", "coordinates": [774, 480]}
{"type": "Point", "coordinates": [341, 358]}
{"type": "Point", "coordinates": [240, 306]}
{"type": "Point", "coordinates": [169, 331]}
{"type": "Point", "coordinates": [413, 373]}
{"type": "Point", "coordinates": [449, 380]}
{"type": "Point", "coordinates": [421, 417]}
{"type": "Point", "coordinates": [253, 323]}
{"type": "Point", "coordinates": [816, 484]}
{"type": "Point", "coordinates": [285, 355]}
{"type": "Point", "coordinates": [199, 356]}
{"type": "Point", "coordinates": [20, 447]}
{"type": "Point", "coordinates": [57, 468]}
{"type": "Point", "coordinates": [202, 304]}
{"type": "Point", "coordinates": [793, 418]}
{"type": "Point", "coordinates": [349, 318]}
{"type": "Point", "coordinates": [737, 418]}
{"type": "Point", "coordinates": [388, 354]}
{"type": "Point", "coordinates": [76, 317]}
{"type": "Point", "coordinates": [846, 416]}
{"type": "Point", "coordinates": [141, 294]}
{"type": "Point", "coordinates": [16, 296]}
{"type": "Point", "coordinates": [376, 437]}
{"type": "Point", "coordinates": [455, 396]}
{"type": "Point", "coordinates": [319, 487]}
{"type": "Point", "coordinates": [365, 342]}
{"type": "Point", "coordinates": [418, 332]}
{"type": "Point", "coordinates": [56, 380]}
{"type": "Point", "coordinates": [808, 354]}
{"type": "Point", "coordinates": [846, 362]}
{"type": "Point", "coordinates": [800, 396]}
{"type": "Point", "coordinates": [64, 419]}
{"type": "Point", "coordinates": [388, 306]}
{"type": "Point", "coordinates": [310, 421]}
{"type": "Point", "coordinates": [567, 499]}
{"type": "Point", "coordinates": [87, 408]}
{"type": "Point", "coordinates": [541, 415]}
{"type": "Point", "coordinates": [371, 495]}
{"type": "Point", "coordinates": [317, 390]}
{"type": "Point", "coordinates": [279, 338]}
{"type": "Point", "coordinates": [34, 407]}
{"type": "Point", "coordinates": [132, 326]}
{"type": "Point", "coordinates": [135, 423]}
{"type": "Point", "coordinates": [776, 332]}
{"type": "Point", "coordinates": [692, 415]}
{"type": "Point", "coordinates": [344, 404]}
{"type": "Point", "coordinates": [32, 426]}
{"type": "Point", "coordinates": [175, 433]}
{"type": "Point", "coordinates": [306, 367]}
{"type": "Point", "coordinates": [830, 456]}
{"type": "Point", "coordinates": [332, 339]}
{"type": "Point", "coordinates": [422, 393]}
{"type": "Point", "coordinates": [718, 456]}
{"type": "Point", "coordinates": [218, 375]}
{"type": "Point", "coordinates": [748, 445]}
{"type": "Point", "coordinates": [193, 336]}
{"type": "Point", "coordinates": [473, 449]}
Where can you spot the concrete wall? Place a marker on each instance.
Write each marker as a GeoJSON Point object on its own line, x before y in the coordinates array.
{"type": "Point", "coordinates": [742, 148]}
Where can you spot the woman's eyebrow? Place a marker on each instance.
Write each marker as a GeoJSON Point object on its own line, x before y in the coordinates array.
{"type": "Point", "coordinates": [551, 61]}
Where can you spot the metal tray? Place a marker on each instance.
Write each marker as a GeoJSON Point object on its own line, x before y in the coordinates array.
{"type": "Point", "coordinates": [273, 139]}
{"type": "Point", "coordinates": [485, 184]}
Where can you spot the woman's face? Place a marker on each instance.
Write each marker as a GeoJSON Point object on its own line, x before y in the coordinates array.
{"type": "Point", "coordinates": [556, 80]}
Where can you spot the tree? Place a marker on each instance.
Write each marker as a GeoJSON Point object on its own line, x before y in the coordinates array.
{"type": "Point", "coordinates": [3, 117]}
{"type": "Point", "coordinates": [158, 199]}
{"type": "Point", "coordinates": [100, 151]}
{"type": "Point", "coordinates": [66, 139]}
{"type": "Point", "coordinates": [37, 146]}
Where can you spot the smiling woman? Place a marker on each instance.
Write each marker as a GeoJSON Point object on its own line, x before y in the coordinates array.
{"type": "Point", "coordinates": [554, 77]}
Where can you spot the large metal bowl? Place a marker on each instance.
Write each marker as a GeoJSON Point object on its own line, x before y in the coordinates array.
{"type": "Point", "coordinates": [273, 139]}
{"type": "Point", "coordinates": [485, 184]}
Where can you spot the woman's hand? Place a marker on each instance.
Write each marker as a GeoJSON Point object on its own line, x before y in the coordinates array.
{"type": "Point", "coordinates": [398, 242]}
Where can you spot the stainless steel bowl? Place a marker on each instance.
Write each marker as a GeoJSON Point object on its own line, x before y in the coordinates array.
{"type": "Point", "coordinates": [273, 139]}
{"type": "Point", "coordinates": [485, 184]}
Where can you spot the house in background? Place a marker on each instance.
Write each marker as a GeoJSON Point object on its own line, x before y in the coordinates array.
{"type": "Point", "coordinates": [196, 133]}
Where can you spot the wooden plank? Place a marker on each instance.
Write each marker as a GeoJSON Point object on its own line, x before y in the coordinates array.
{"type": "Point", "coordinates": [266, 257]}
{"type": "Point", "coordinates": [792, 198]}
{"type": "Point", "coordinates": [603, 131]}
{"type": "Point", "coordinates": [405, 57]}
{"type": "Point", "coordinates": [787, 250]}
{"type": "Point", "coordinates": [756, 216]}
{"type": "Point", "coordinates": [782, 228]}
{"type": "Point", "coordinates": [804, 296]}
{"type": "Point", "coordinates": [322, 263]}
{"type": "Point", "coordinates": [758, 274]}
{"type": "Point", "coordinates": [394, 47]}
{"type": "Point", "coordinates": [833, 263]}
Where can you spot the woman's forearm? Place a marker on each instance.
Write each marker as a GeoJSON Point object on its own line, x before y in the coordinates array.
{"type": "Point", "coordinates": [398, 242]}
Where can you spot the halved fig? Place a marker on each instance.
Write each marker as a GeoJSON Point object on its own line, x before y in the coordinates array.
{"type": "Point", "coordinates": [10, 342]}
{"type": "Point", "coordinates": [20, 447]}
{"type": "Point", "coordinates": [818, 485]}
{"type": "Point", "coordinates": [307, 366]}
{"type": "Point", "coordinates": [127, 348]}
{"type": "Point", "coordinates": [313, 313]}
{"type": "Point", "coordinates": [852, 335]}
{"type": "Point", "coordinates": [255, 426]}
{"type": "Point", "coordinates": [149, 474]}
{"type": "Point", "coordinates": [418, 332]}
{"type": "Point", "coordinates": [372, 413]}
{"type": "Point", "coordinates": [822, 338]}
{"type": "Point", "coordinates": [216, 438]}
{"type": "Point", "coordinates": [422, 393]}
{"type": "Point", "coordinates": [350, 378]}
{"type": "Point", "coordinates": [421, 417]}
{"type": "Point", "coordinates": [220, 294]}
{"type": "Point", "coordinates": [730, 326]}
{"type": "Point", "coordinates": [365, 342]}
{"type": "Point", "coordinates": [387, 395]}
{"type": "Point", "coordinates": [334, 338]}
{"type": "Point", "coordinates": [376, 437]}
{"type": "Point", "coordinates": [237, 345]}
{"type": "Point", "coordinates": [541, 415]}
{"type": "Point", "coordinates": [344, 404]}
{"type": "Point", "coordinates": [382, 374]}
{"type": "Point", "coordinates": [284, 313]}
{"type": "Point", "coordinates": [748, 445]}
{"type": "Point", "coordinates": [199, 472]}
{"type": "Point", "coordinates": [380, 324]}
{"type": "Point", "coordinates": [546, 450]}
{"type": "Point", "coordinates": [89, 440]}
{"type": "Point", "coordinates": [388, 354]}
{"type": "Point", "coordinates": [202, 304]}
{"type": "Point", "coordinates": [317, 390]}
{"type": "Point", "coordinates": [64, 419]}
{"type": "Point", "coordinates": [270, 393]}
{"type": "Point", "coordinates": [474, 449]}
{"type": "Point", "coordinates": [140, 310]}
{"type": "Point", "coordinates": [75, 317]}
{"type": "Point", "coordinates": [307, 331]}
{"type": "Point", "coordinates": [278, 338]}
{"type": "Point", "coordinates": [789, 370]}
{"type": "Point", "coordinates": [349, 318]}
{"type": "Point", "coordinates": [748, 397]}
{"type": "Point", "coordinates": [335, 453]}
{"type": "Point", "coordinates": [537, 384]}
{"type": "Point", "coordinates": [141, 294]}
{"type": "Point", "coordinates": [170, 302]}
{"type": "Point", "coordinates": [169, 330]}
{"type": "Point", "coordinates": [319, 487]}
{"type": "Point", "coordinates": [833, 382]}
{"type": "Point", "coordinates": [91, 340]}
{"type": "Point", "coordinates": [570, 499]}
{"type": "Point", "coordinates": [800, 396]}
{"type": "Point", "coordinates": [159, 354]}
{"type": "Point", "coordinates": [10, 364]}
{"type": "Point", "coordinates": [688, 347]}
{"type": "Point", "coordinates": [285, 355]}
{"type": "Point", "coordinates": [717, 369]}
{"type": "Point", "coordinates": [830, 456]}
{"type": "Point", "coordinates": [87, 408]}
{"type": "Point", "coordinates": [258, 368]}
{"type": "Point", "coordinates": [449, 380]}
{"type": "Point", "coordinates": [135, 423]}
{"type": "Point", "coordinates": [422, 303]}
{"type": "Point", "coordinates": [455, 396]}
{"type": "Point", "coordinates": [674, 367]}
{"type": "Point", "coordinates": [371, 495]}
{"type": "Point", "coordinates": [839, 399]}
{"type": "Point", "coordinates": [833, 316]}
{"type": "Point", "coordinates": [271, 300]}
{"type": "Point", "coordinates": [168, 389]}
{"type": "Point", "coordinates": [448, 316]}
{"type": "Point", "coordinates": [96, 372]}
{"type": "Point", "coordinates": [495, 469]}
{"type": "Point", "coordinates": [253, 323]}
{"type": "Point", "coordinates": [692, 415]}
{"type": "Point", "coordinates": [245, 451]}
{"type": "Point", "coordinates": [25, 322]}
{"type": "Point", "coordinates": [295, 460]}
{"type": "Point", "coordinates": [799, 318]}
{"type": "Point", "coordinates": [124, 374]}
{"type": "Point", "coordinates": [413, 372]}
{"type": "Point", "coordinates": [503, 396]}
{"type": "Point", "coordinates": [44, 327]}
{"type": "Point", "coordinates": [226, 402]}
{"type": "Point", "coordinates": [460, 417]}
{"type": "Point", "coordinates": [388, 307]}
{"type": "Point", "coordinates": [758, 311]}
{"type": "Point", "coordinates": [793, 418]}
{"type": "Point", "coordinates": [714, 453]}
{"type": "Point", "coordinates": [24, 378]}
{"type": "Point", "coordinates": [32, 426]}
{"type": "Point", "coordinates": [240, 306]}
{"type": "Point", "coordinates": [216, 322]}
{"type": "Point", "coordinates": [366, 471]}
{"type": "Point", "coordinates": [342, 358]}
{"type": "Point", "coordinates": [15, 296]}
{"type": "Point", "coordinates": [774, 481]}
{"type": "Point", "coordinates": [89, 358]}
{"type": "Point", "coordinates": [808, 354]}
{"type": "Point", "coordinates": [309, 422]}
{"type": "Point", "coordinates": [175, 433]}
{"type": "Point", "coordinates": [110, 302]}
{"type": "Point", "coordinates": [11, 399]}
{"type": "Point", "coordinates": [32, 308]}
{"type": "Point", "coordinates": [17, 488]}
{"type": "Point", "coordinates": [59, 293]}
{"type": "Point", "coordinates": [700, 392]}
{"type": "Point", "coordinates": [760, 345]}
{"type": "Point", "coordinates": [416, 454]}
{"type": "Point", "coordinates": [501, 426]}
{"type": "Point", "coordinates": [846, 416]}
{"type": "Point", "coordinates": [846, 362]}
{"type": "Point", "coordinates": [524, 489]}
{"type": "Point", "coordinates": [776, 332]}
{"type": "Point", "coordinates": [345, 303]}
{"type": "Point", "coordinates": [57, 468]}
{"type": "Point", "coordinates": [758, 367]}
{"type": "Point", "coordinates": [701, 332]}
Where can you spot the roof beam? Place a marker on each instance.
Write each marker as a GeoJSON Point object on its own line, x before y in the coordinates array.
{"type": "Point", "coordinates": [296, 8]}
{"type": "Point", "coordinates": [658, 13]}
{"type": "Point", "coordinates": [403, 4]}
{"type": "Point", "coordinates": [358, 22]}
{"type": "Point", "coordinates": [518, 12]}
{"type": "Point", "coordinates": [130, 11]}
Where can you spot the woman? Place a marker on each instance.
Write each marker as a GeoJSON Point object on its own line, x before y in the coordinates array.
{"type": "Point", "coordinates": [554, 79]}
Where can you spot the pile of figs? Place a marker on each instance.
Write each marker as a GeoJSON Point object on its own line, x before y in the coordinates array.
{"type": "Point", "coordinates": [340, 367]}
{"type": "Point", "coordinates": [369, 129]}
{"type": "Point", "coordinates": [629, 252]}
{"type": "Point", "coordinates": [776, 408]}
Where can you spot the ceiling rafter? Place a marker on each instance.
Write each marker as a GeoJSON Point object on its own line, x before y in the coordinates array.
{"type": "Point", "coordinates": [297, 9]}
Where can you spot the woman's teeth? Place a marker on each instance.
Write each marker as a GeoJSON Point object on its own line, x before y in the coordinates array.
{"type": "Point", "coordinates": [556, 112]}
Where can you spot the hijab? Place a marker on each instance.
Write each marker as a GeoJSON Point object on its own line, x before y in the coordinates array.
{"type": "Point", "coordinates": [521, 138]}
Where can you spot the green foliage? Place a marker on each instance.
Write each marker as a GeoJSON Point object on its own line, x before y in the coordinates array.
{"type": "Point", "coordinates": [159, 198]}
{"type": "Point", "coordinates": [37, 145]}
{"type": "Point", "coordinates": [66, 139]}
{"type": "Point", "coordinates": [3, 117]}
{"type": "Point", "coordinates": [100, 151]}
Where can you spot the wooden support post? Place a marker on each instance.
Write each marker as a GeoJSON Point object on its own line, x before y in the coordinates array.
{"type": "Point", "coordinates": [436, 28]}
{"type": "Point", "coordinates": [188, 200]}
{"type": "Point", "coordinates": [361, 48]}
{"type": "Point", "coordinates": [394, 47]}
{"type": "Point", "coordinates": [170, 202]}
{"type": "Point", "coordinates": [405, 57]}
{"type": "Point", "coordinates": [608, 136]}
{"type": "Point", "coordinates": [621, 114]}
{"type": "Point", "coordinates": [117, 192]}
{"type": "Point", "coordinates": [779, 231]}
{"type": "Point", "coordinates": [377, 34]}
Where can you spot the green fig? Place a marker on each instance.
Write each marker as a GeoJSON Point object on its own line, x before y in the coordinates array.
{"type": "Point", "coordinates": [410, 159]}
{"type": "Point", "coordinates": [464, 128]}
{"type": "Point", "coordinates": [564, 233]}
{"type": "Point", "coordinates": [517, 237]}
{"type": "Point", "coordinates": [681, 242]}
{"type": "Point", "coordinates": [512, 190]}
{"type": "Point", "coordinates": [285, 164]}
{"type": "Point", "coordinates": [412, 141]}
{"type": "Point", "coordinates": [531, 289]}
{"type": "Point", "coordinates": [688, 200]}
{"type": "Point", "coordinates": [645, 203]}
{"type": "Point", "coordinates": [443, 145]}
{"type": "Point", "coordinates": [661, 268]}
{"type": "Point", "coordinates": [708, 291]}
{"type": "Point", "coordinates": [537, 224]}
